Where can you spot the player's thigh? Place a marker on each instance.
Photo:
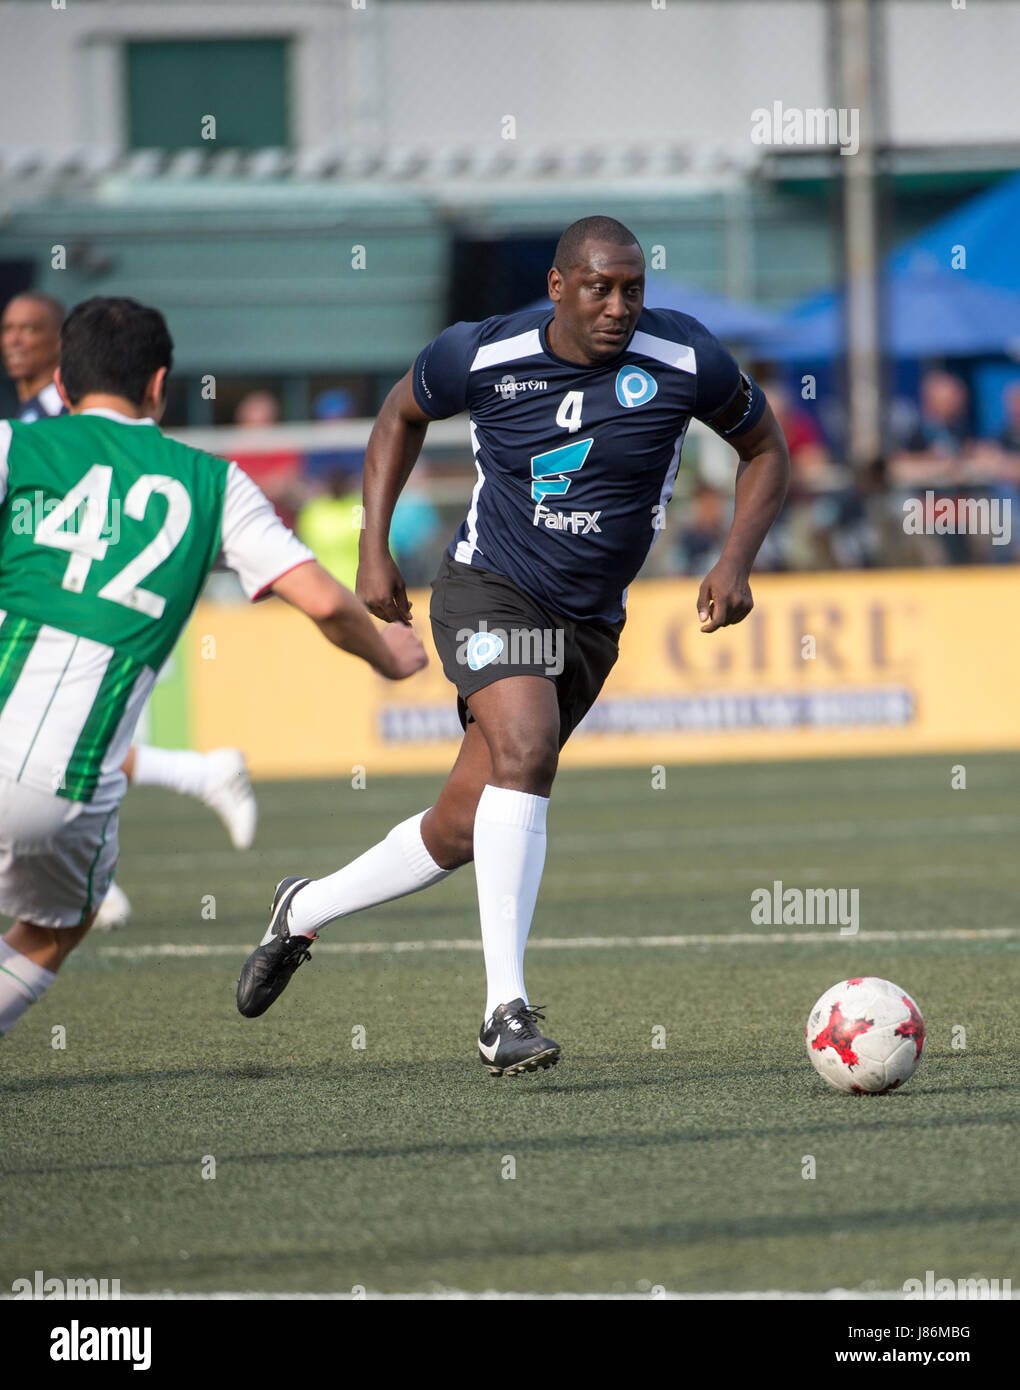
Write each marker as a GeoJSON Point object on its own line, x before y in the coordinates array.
{"type": "Point", "coordinates": [57, 857]}
{"type": "Point", "coordinates": [520, 719]}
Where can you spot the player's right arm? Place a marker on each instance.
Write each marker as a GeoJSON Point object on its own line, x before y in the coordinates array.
{"type": "Point", "coordinates": [268, 558]}
{"type": "Point", "coordinates": [434, 389]}
{"type": "Point", "coordinates": [341, 618]}
{"type": "Point", "coordinates": [392, 452]}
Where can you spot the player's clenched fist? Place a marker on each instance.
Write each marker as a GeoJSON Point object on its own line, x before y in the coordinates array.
{"type": "Point", "coordinates": [381, 588]}
{"type": "Point", "coordinates": [724, 597]}
{"type": "Point", "coordinates": [407, 654]}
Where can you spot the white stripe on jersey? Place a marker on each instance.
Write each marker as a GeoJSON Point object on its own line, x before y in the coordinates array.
{"type": "Point", "coordinates": [670, 479]}
{"type": "Point", "coordinates": [466, 548]}
{"type": "Point", "coordinates": [666, 492]}
{"type": "Point", "coordinates": [508, 350]}
{"type": "Point", "coordinates": [47, 709]}
{"type": "Point", "coordinates": [673, 354]}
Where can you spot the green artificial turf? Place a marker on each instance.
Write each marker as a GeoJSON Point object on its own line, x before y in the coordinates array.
{"type": "Point", "coordinates": [635, 1165]}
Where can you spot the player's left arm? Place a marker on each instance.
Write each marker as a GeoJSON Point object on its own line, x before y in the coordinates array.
{"type": "Point", "coordinates": [735, 408]}
{"type": "Point", "coordinates": [763, 475]}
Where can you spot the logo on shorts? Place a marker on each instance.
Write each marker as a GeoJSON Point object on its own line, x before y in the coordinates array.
{"type": "Point", "coordinates": [483, 647]}
{"type": "Point", "coordinates": [520, 646]}
{"type": "Point", "coordinates": [634, 387]}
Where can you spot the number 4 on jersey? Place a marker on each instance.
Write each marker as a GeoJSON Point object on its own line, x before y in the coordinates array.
{"type": "Point", "coordinates": [85, 539]}
{"type": "Point", "coordinates": [566, 459]}
{"type": "Point", "coordinates": [568, 417]}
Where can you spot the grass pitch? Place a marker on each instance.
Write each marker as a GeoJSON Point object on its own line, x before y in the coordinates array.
{"type": "Point", "coordinates": [388, 1166]}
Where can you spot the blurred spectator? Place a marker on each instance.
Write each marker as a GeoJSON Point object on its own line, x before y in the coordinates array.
{"type": "Point", "coordinates": [939, 455]}
{"type": "Point", "coordinates": [30, 345]}
{"type": "Point", "coordinates": [942, 428]}
{"type": "Point", "coordinates": [256, 410]}
{"type": "Point", "coordinates": [703, 530]}
{"type": "Point", "coordinates": [278, 472]}
{"type": "Point", "coordinates": [808, 455]}
{"type": "Point", "coordinates": [1009, 439]}
{"type": "Point", "coordinates": [331, 526]}
{"type": "Point", "coordinates": [822, 522]}
{"type": "Point", "coordinates": [333, 404]}
{"type": "Point", "coordinates": [941, 446]}
{"type": "Point", "coordinates": [1007, 485]}
{"type": "Point", "coordinates": [414, 528]}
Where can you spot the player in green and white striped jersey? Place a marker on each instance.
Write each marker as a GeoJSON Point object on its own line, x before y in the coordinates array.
{"type": "Point", "coordinates": [107, 532]}
{"type": "Point", "coordinates": [30, 350]}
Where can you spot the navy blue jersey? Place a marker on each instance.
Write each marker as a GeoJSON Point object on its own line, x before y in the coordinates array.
{"type": "Point", "coordinates": [576, 464]}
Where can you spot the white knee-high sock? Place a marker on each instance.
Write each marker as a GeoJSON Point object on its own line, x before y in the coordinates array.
{"type": "Point", "coordinates": [509, 859]}
{"type": "Point", "coordinates": [396, 866]}
{"type": "Point", "coordinates": [22, 982]}
{"type": "Point", "coordinates": [177, 769]}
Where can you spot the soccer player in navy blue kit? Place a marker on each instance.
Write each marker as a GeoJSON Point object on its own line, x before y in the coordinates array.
{"type": "Point", "coordinates": [578, 415]}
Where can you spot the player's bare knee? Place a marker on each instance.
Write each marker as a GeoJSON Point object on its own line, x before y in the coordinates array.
{"type": "Point", "coordinates": [449, 838]}
{"type": "Point", "coordinates": [456, 851]}
{"type": "Point", "coordinates": [526, 764]}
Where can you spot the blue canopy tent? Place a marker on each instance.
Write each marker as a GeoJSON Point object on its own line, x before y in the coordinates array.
{"type": "Point", "coordinates": [986, 228]}
{"type": "Point", "coordinates": [730, 319]}
{"type": "Point", "coordinates": [929, 312]}
{"type": "Point", "coordinates": [930, 308]}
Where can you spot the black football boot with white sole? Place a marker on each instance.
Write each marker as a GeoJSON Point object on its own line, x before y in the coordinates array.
{"type": "Point", "coordinates": [512, 1042]}
{"type": "Point", "coordinates": [267, 971]}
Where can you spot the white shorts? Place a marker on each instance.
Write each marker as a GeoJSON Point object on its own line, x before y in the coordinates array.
{"type": "Point", "coordinates": [57, 857]}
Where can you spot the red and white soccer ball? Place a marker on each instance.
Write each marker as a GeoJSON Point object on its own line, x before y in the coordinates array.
{"type": "Point", "coordinates": [865, 1035]}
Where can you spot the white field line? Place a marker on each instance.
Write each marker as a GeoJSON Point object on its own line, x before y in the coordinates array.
{"type": "Point", "coordinates": [579, 943]}
{"type": "Point", "coordinates": [661, 878]}
{"type": "Point", "coordinates": [679, 839]}
{"type": "Point", "coordinates": [745, 1295]}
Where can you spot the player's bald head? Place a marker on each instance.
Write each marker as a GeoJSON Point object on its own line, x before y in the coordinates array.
{"type": "Point", "coordinates": [571, 247]}
{"type": "Point", "coordinates": [597, 283]}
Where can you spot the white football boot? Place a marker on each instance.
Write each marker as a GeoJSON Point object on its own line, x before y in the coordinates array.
{"type": "Point", "coordinates": [228, 792]}
{"type": "Point", "coordinates": [114, 911]}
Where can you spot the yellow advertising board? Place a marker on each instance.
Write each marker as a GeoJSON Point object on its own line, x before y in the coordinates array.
{"type": "Point", "coordinates": [827, 665]}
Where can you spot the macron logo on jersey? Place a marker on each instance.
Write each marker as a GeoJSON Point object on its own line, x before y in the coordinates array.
{"type": "Point", "coordinates": [509, 387]}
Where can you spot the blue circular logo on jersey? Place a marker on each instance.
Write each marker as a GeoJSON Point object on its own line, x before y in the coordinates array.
{"type": "Point", "coordinates": [634, 387]}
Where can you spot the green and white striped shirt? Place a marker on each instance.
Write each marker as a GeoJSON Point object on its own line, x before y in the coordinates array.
{"type": "Point", "coordinates": [107, 532]}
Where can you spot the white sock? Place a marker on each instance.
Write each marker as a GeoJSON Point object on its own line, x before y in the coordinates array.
{"type": "Point", "coordinates": [22, 982]}
{"type": "Point", "coordinates": [396, 866]}
{"type": "Point", "coordinates": [509, 859]}
{"type": "Point", "coordinates": [175, 768]}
